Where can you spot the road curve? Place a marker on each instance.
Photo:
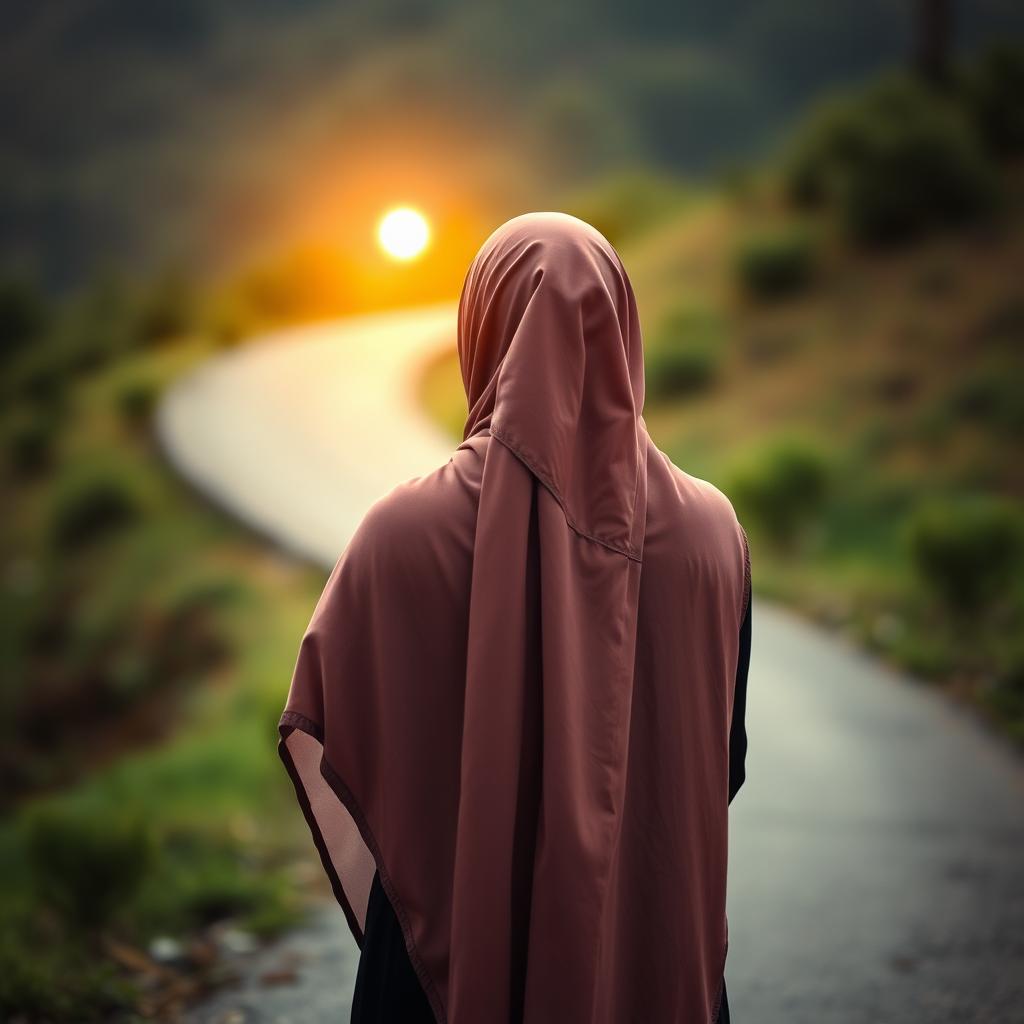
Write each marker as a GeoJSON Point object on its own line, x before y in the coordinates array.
{"type": "Point", "coordinates": [877, 848]}
{"type": "Point", "coordinates": [299, 432]}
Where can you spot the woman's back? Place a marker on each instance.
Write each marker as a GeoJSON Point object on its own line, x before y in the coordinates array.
{"type": "Point", "coordinates": [514, 698]}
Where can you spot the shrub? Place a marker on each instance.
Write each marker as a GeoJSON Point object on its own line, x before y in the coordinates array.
{"type": "Point", "coordinates": [136, 398]}
{"type": "Point", "coordinates": [86, 866]}
{"type": "Point", "coordinates": [991, 395]}
{"type": "Point", "coordinates": [166, 310]}
{"type": "Point", "coordinates": [894, 160]}
{"type": "Point", "coordinates": [40, 375]}
{"type": "Point", "coordinates": [776, 262]}
{"type": "Point", "coordinates": [967, 551]}
{"type": "Point", "coordinates": [772, 345]}
{"type": "Point", "coordinates": [781, 488]}
{"type": "Point", "coordinates": [22, 315]}
{"type": "Point", "coordinates": [219, 888]}
{"type": "Point", "coordinates": [41, 982]}
{"type": "Point", "coordinates": [624, 205]}
{"type": "Point", "coordinates": [683, 356]}
{"type": "Point", "coordinates": [99, 324]}
{"type": "Point", "coordinates": [91, 503]}
{"type": "Point", "coordinates": [30, 442]}
{"type": "Point", "coordinates": [189, 636]}
{"type": "Point", "coordinates": [679, 371]}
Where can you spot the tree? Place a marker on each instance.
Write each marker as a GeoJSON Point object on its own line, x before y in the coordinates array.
{"type": "Point", "coordinates": [933, 33]}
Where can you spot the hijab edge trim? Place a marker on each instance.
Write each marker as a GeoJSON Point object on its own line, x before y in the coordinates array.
{"type": "Point", "coordinates": [620, 549]}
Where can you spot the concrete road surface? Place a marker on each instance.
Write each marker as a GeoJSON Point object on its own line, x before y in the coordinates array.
{"type": "Point", "coordinates": [877, 865]}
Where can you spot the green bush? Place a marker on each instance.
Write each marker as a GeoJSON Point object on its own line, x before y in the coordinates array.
{"type": "Point", "coordinates": [90, 503]}
{"type": "Point", "coordinates": [182, 637]}
{"type": "Point", "coordinates": [781, 488]}
{"type": "Point", "coordinates": [41, 983]}
{"type": "Point", "coordinates": [86, 867]}
{"type": "Point", "coordinates": [624, 205]}
{"type": "Point", "coordinates": [166, 310]}
{"type": "Point", "coordinates": [136, 398]}
{"type": "Point", "coordinates": [98, 325]}
{"type": "Point", "coordinates": [218, 888]}
{"type": "Point", "coordinates": [209, 874]}
{"type": "Point", "coordinates": [30, 442]}
{"type": "Point", "coordinates": [993, 87]}
{"type": "Point", "coordinates": [40, 375]}
{"type": "Point", "coordinates": [967, 551]}
{"type": "Point", "coordinates": [188, 635]}
{"type": "Point", "coordinates": [777, 262]}
{"type": "Point", "coordinates": [683, 356]}
{"type": "Point", "coordinates": [991, 395]}
{"type": "Point", "coordinates": [894, 160]}
{"type": "Point", "coordinates": [679, 371]}
{"type": "Point", "coordinates": [23, 315]}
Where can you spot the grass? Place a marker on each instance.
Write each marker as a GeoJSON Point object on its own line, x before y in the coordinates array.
{"type": "Point", "coordinates": [147, 648]}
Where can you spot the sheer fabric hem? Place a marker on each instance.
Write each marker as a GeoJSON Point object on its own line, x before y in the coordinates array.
{"type": "Point", "coordinates": [346, 845]}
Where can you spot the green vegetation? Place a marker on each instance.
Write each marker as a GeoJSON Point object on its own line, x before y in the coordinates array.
{"type": "Point", "coordinates": [968, 551]}
{"type": "Point", "coordinates": [896, 160]}
{"type": "Point", "coordinates": [89, 502]}
{"type": "Point", "coordinates": [776, 262]}
{"type": "Point", "coordinates": [22, 316]}
{"type": "Point", "coordinates": [146, 650]}
{"type": "Point", "coordinates": [868, 426]}
{"type": "Point", "coordinates": [137, 397]}
{"type": "Point", "coordinates": [628, 204]}
{"type": "Point", "coordinates": [30, 440]}
{"type": "Point", "coordinates": [85, 868]}
{"type": "Point", "coordinates": [780, 488]}
{"type": "Point", "coordinates": [683, 354]}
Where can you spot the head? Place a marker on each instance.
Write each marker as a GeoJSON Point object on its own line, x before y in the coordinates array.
{"type": "Point", "coordinates": [556, 270]}
{"type": "Point", "coordinates": [551, 353]}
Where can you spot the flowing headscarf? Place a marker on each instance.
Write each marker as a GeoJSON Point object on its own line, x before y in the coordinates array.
{"type": "Point", "coordinates": [514, 696]}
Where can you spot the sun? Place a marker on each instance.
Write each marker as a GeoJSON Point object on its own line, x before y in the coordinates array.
{"type": "Point", "coordinates": [403, 233]}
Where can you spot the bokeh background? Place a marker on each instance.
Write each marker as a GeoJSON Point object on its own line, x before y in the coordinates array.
{"type": "Point", "coordinates": [822, 212]}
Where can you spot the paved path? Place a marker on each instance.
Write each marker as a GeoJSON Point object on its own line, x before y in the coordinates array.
{"type": "Point", "coordinates": [877, 848]}
{"type": "Point", "coordinates": [298, 433]}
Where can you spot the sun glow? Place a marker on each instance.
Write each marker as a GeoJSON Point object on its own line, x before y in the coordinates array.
{"type": "Point", "coordinates": [403, 233]}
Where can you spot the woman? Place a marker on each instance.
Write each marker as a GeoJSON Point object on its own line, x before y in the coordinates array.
{"type": "Point", "coordinates": [513, 713]}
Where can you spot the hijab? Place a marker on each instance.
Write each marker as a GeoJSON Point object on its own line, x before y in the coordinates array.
{"type": "Point", "coordinates": [514, 695]}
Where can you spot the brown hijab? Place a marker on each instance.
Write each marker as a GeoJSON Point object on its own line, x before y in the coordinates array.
{"type": "Point", "coordinates": [514, 696]}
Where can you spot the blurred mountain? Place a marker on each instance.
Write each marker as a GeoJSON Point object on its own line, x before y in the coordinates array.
{"type": "Point", "coordinates": [196, 132]}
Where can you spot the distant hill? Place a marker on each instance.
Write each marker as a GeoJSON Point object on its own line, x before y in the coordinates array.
{"type": "Point", "coordinates": [199, 132]}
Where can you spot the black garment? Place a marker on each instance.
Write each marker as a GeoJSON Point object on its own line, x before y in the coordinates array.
{"type": "Point", "coordinates": [738, 731]}
{"type": "Point", "coordinates": [387, 990]}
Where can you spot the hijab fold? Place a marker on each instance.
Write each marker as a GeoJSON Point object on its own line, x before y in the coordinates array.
{"type": "Point", "coordinates": [513, 698]}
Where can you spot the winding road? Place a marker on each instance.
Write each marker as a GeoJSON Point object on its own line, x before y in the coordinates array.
{"type": "Point", "coordinates": [877, 864]}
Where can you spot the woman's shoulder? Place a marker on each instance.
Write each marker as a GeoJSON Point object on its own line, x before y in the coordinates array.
{"type": "Point", "coordinates": [697, 497]}
{"type": "Point", "coordinates": [422, 516]}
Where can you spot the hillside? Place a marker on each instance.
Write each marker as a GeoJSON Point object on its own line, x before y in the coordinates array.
{"type": "Point", "coordinates": [202, 133]}
{"type": "Point", "coordinates": [859, 402]}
